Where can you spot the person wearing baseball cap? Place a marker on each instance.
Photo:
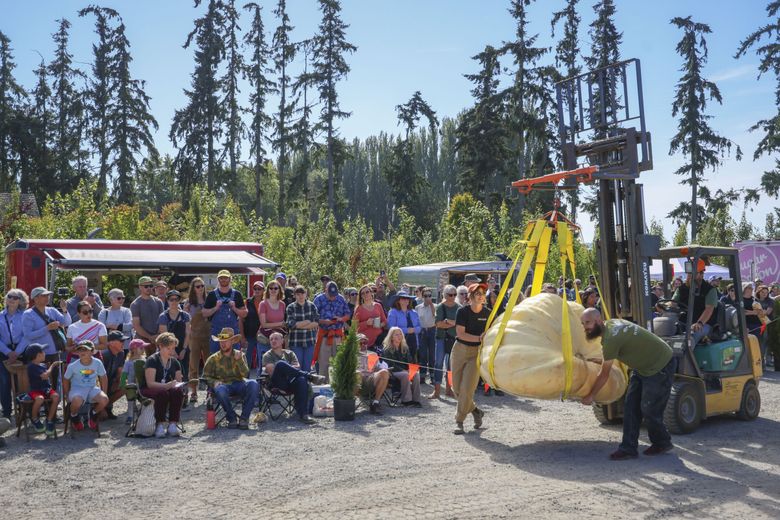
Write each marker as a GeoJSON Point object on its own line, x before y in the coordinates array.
{"type": "Point", "coordinates": [287, 293]}
{"type": "Point", "coordinates": [224, 306]}
{"type": "Point", "coordinates": [146, 310]}
{"type": "Point", "coordinates": [40, 323]}
{"type": "Point", "coordinates": [334, 314]}
{"type": "Point", "coordinates": [80, 385]}
{"type": "Point", "coordinates": [470, 279]}
{"type": "Point", "coordinates": [160, 288]}
{"type": "Point", "coordinates": [114, 361]}
{"type": "Point", "coordinates": [704, 302]}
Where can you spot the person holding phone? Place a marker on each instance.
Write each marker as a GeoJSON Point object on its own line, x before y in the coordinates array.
{"type": "Point", "coordinates": [82, 293]}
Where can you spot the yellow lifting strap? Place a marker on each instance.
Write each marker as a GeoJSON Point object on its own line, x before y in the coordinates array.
{"type": "Point", "coordinates": [533, 237]}
{"type": "Point", "coordinates": [566, 249]}
{"type": "Point", "coordinates": [541, 258]}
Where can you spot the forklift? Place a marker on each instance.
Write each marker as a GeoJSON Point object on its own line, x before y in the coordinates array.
{"type": "Point", "coordinates": [605, 142]}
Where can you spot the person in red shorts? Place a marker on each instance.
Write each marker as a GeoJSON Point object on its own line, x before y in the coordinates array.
{"type": "Point", "coordinates": [40, 388]}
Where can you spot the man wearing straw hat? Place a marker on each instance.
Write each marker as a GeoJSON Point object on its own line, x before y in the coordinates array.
{"type": "Point", "coordinates": [226, 372]}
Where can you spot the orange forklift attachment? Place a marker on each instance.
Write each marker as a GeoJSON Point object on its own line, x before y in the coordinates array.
{"type": "Point", "coordinates": [551, 180]}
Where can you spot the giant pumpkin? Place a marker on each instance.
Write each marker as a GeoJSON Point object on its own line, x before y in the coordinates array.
{"type": "Point", "coordinates": [529, 361]}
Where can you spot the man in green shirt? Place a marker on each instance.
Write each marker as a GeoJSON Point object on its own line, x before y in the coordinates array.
{"type": "Point", "coordinates": [653, 368]}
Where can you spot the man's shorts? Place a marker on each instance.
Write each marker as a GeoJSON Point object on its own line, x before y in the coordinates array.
{"type": "Point", "coordinates": [368, 384]}
{"type": "Point", "coordinates": [89, 395]}
{"type": "Point", "coordinates": [35, 393]}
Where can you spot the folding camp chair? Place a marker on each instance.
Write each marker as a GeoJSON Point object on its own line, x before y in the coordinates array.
{"type": "Point", "coordinates": [212, 403]}
{"type": "Point", "coordinates": [272, 399]}
{"type": "Point", "coordinates": [392, 394]}
{"type": "Point", "coordinates": [20, 386]}
{"type": "Point", "coordinates": [137, 400]}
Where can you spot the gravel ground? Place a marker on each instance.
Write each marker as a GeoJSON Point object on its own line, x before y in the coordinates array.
{"type": "Point", "coordinates": [532, 459]}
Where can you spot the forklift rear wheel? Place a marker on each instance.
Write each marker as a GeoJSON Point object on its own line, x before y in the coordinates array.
{"type": "Point", "coordinates": [751, 402]}
{"type": "Point", "coordinates": [601, 411]}
{"type": "Point", "coordinates": [683, 411]}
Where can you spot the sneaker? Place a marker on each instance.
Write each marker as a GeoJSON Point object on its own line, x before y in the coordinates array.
{"type": "Point", "coordinates": [233, 424]}
{"type": "Point", "coordinates": [173, 429]}
{"type": "Point", "coordinates": [407, 403]}
{"type": "Point", "coordinates": [622, 455]}
{"type": "Point", "coordinates": [92, 421]}
{"type": "Point", "coordinates": [38, 426]}
{"type": "Point", "coordinates": [488, 392]}
{"type": "Point", "coordinates": [316, 378]}
{"type": "Point", "coordinates": [307, 419]}
{"type": "Point", "coordinates": [76, 424]}
{"type": "Point", "coordinates": [243, 424]}
{"type": "Point", "coordinates": [160, 432]}
{"type": "Point", "coordinates": [478, 415]}
{"type": "Point", "coordinates": [374, 408]}
{"type": "Point", "coordinates": [416, 404]}
{"type": "Point", "coordinates": [657, 450]}
{"type": "Point", "coordinates": [459, 429]}
{"type": "Point", "coordinates": [50, 429]}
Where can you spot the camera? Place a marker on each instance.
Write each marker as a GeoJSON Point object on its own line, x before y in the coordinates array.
{"type": "Point", "coordinates": [91, 292]}
{"type": "Point", "coordinates": [62, 291]}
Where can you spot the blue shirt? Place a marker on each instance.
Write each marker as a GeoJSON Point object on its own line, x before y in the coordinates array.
{"type": "Point", "coordinates": [35, 330]}
{"type": "Point", "coordinates": [37, 383]}
{"type": "Point", "coordinates": [16, 336]}
{"type": "Point", "coordinates": [85, 376]}
{"type": "Point", "coordinates": [396, 318]}
{"type": "Point", "coordinates": [331, 310]}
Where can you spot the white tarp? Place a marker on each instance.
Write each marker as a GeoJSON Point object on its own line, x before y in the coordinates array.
{"type": "Point", "coordinates": [657, 273]}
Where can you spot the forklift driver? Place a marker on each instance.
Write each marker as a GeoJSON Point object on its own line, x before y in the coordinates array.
{"type": "Point", "coordinates": [704, 302]}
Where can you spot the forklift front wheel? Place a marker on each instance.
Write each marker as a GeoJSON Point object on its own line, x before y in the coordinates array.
{"type": "Point", "coordinates": [601, 411]}
{"type": "Point", "coordinates": [751, 402]}
{"type": "Point", "coordinates": [683, 411]}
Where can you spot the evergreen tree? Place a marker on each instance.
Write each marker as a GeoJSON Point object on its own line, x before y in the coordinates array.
{"type": "Point", "coordinates": [330, 66]}
{"type": "Point", "coordinates": [12, 95]}
{"type": "Point", "coordinates": [67, 116]}
{"type": "Point", "coordinates": [695, 139]}
{"type": "Point", "coordinates": [283, 53]}
{"type": "Point", "coordinates": [303, 129]}
{"type": "Point", "coordinates": [769, 54]}
{"type": "Point", "coordinates": [257, 72]}
{"type": "Point", "coordinates": [40, 118]}
{"type": "Point", "coordinates": [100, 92]}
{"type": "Point", "coordinates": [604, 50]}
{"type": "Point", "coordinates": [197, 128]}
{"type": "Point", "coordinates": [131, 121]}
{"type": "Point", "coordinates": [235, 130]}
{"type": "Point", "coordinates": [482, 134]}
{"type": "Point", "coordinates": [567, 53]}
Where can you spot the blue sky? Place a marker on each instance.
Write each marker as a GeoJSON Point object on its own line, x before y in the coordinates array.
{"type": "Point", "coordinates": [426, 45]}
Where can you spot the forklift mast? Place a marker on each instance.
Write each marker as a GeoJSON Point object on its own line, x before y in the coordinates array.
{"type": "Point", "coordinates": [595, 110]}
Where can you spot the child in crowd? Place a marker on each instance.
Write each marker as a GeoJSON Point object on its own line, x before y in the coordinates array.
{"type": "Point", "coordinates": [40, 388]}
{"type": "Point", "coordinates": [137, 350]}
{"type": "Point", "coordinates": [80, 385]}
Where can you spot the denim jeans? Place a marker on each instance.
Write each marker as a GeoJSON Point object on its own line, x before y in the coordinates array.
{"type": "Point", "coordinates": [251, 350]}
{"type": "Point", "coordinates": [248, 389]}
{"type": "Point", "coordinates": [703, 331]}
{"type": "Point", "coordinates": [290, 379]}
{"type": "Point", "coordinates": [646, 398]}
{"type": "Point", "coordinates": [5, 390]}
{"type": "Point", "coordinates": [438, 373]}
{"type": "Point", "coordinates": [305, 355]}
{"type": "Point", "coordinates": [426, 352]}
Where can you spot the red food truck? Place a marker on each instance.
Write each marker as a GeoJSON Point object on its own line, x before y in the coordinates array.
{"type": "Point", "coordinates": [36, 262]}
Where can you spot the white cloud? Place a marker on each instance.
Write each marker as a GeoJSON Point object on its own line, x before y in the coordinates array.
{"type": "Point", "coordinates": [734, 72]}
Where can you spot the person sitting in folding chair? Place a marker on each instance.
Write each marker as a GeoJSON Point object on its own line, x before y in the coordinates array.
{"type": "Point", "coordinates": [226, 372]}
{"type": "Point", "coordinates": [162, 382]}
{"type": "Point", "coordinates": [374, 380]}
{"type": "Point", "coordinates": [282, 367]}
{"type": "Point", "coordinates": [80, 385]}
{"type": "Point", "coordinates": [40, 388]}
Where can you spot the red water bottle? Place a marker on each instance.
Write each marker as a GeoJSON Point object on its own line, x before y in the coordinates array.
{"type": "Point", "coordinates": [211, 416]}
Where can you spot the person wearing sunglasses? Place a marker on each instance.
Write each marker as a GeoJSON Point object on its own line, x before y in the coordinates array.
{"type": "Point", "coordinates": [146, 310]}
{"type": "Point", "coordinates": [426, 352]}
{"type": "Point", "coordinates": [40, 322]}
{"type": "Point", "coordinates": [446, 313]}
{"type": "Point", "coordinates": [12, 342]}
{"type": "Point", "coordinates": [117, 317]}
{"type": "Point", "coordinates": [272, 317]}
{"type": "Point", "coordinates": [730, 298]}
{"type": "Point", "coordinates": [370, 315]}
{"type": "Point", "coordinates": [224, 307]}
{"type": "Point", "coordinates": [177, 322]}
{"type": "Point", "coordinates": [82, 293]}
{"type": "Point", "coordinates": [249, 326]}
{"type": "Point", "coordinates": [86, 329]}
{"type": "Point", "coordinates": [200, 332]}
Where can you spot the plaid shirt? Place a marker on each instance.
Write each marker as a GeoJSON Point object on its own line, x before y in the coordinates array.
{"type": "Point", "coordinates": [225, 368]}
{"type": "Point", "coordinates": [296, 313]}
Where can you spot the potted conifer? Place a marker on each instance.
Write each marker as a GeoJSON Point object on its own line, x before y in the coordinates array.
{"type": "Point", "coordinates": [345, 379]}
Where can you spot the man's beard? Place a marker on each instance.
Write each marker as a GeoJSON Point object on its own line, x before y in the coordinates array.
{"type": "Point", "coordinates": [595, 332]}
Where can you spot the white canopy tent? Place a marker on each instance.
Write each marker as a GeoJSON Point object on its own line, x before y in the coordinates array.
{"type": "Point", "coordinates": [657, 273]}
